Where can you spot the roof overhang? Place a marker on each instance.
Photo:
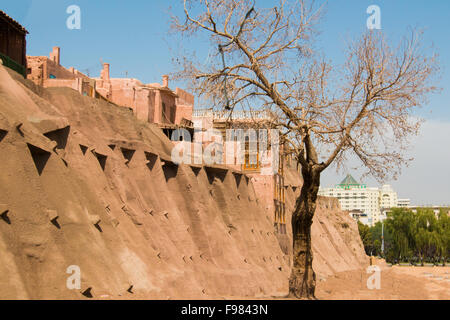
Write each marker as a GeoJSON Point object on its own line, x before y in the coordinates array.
{"type": "Point", "coordinates": [13, 22]}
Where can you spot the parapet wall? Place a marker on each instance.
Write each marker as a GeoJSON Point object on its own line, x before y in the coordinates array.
{"type": "Point", "coordinates": [43, 68]}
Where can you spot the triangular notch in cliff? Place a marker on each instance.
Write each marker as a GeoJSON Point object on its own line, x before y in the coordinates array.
{"type": "Point", "coordinates": [238, 178]}
{"type": "Point", "coordinates": [60, 136]}
{"type": "Point", "coordinates": [83, 148]}
{"type": "Point", "coordinates": [40, 157]}
{"type": "Point", "coordinates": [151, 159]}
{"type": "Point", "coordinates": [170, 169]}
{"type": "Point", "coordinates": [4, 213]}
{"type": "Point", "coordinates": [215, 172]}
{"type": "Point", "coordinates": [127, 154]}
{"type": "Point", "coordinates": [101, 159]}
{"type": "Point", "coordinates": [196, 169]}
{"type": "Point", "coordinates": [3, 134]}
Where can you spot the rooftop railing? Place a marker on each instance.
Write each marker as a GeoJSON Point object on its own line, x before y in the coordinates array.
{"type": "Point", "coordinates": [10, 63]}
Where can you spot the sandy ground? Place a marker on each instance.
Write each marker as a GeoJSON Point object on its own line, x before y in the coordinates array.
{"type": "Point", "coordinates": [396, 283]}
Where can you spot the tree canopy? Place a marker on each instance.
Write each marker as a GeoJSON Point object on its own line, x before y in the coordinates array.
{"type": "Point", "coordinates": [416, 237]}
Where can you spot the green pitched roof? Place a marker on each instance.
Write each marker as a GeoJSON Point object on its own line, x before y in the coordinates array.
{"type": "Point", "coordinates": [349, 180]}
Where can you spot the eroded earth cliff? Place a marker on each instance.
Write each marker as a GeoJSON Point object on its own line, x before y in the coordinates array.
{"type": "Point", "coordinates": [83, 183]}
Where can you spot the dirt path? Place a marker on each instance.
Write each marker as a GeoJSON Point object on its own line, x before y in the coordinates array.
{"type": "Point", "coordinates": [397, 282]}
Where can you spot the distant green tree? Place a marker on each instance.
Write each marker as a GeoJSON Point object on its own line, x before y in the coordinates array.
{"type": "Point", "coordinates": [366, 237]}
{"type": "Point", "coordinates": [422, 242]}
{"type": "Point", "coordinates": [443, 227]}
{"type": "Point", "coordinates": [424, 239]}
{"type": "Point", "coordinates": [420, 236]}
{"type": "Point", "coordinates": [400, 224]}
{"type": "Point", "coordinates": [377, 247]}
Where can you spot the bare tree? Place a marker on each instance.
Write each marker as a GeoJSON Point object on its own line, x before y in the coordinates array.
{"type": "Point", "coordinates": [327, 112]}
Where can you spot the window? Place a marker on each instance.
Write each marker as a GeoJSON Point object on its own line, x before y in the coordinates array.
{"type": "Point", "coordinates": [250, 166]}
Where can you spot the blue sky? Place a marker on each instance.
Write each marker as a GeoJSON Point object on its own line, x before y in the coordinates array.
{"type": "Point", "coordinates": [132, 37]}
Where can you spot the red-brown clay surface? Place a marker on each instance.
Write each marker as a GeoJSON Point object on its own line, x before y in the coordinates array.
{"type": "Point", "coordinates": [85, 183]}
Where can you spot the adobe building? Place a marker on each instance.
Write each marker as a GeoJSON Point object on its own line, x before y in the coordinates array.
{"type": "Point", "coordinates": [48, 72]}
{"type": "Point", "coordinates": [154, 102]}
{"type": "Point", "coordinates": [269, 184]}
{"type": "Point", "coordinates": [13, 45]}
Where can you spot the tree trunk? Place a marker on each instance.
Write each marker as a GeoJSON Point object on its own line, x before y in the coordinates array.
{"type": "Point", "coordinates": [302, 282]}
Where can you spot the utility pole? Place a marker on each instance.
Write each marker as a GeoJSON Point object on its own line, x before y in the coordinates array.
{"type": "Point", "coordinates": [382, 238]}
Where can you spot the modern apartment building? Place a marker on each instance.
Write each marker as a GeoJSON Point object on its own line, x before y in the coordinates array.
{"type": "Point", "coordinates": [388, 197]}
{"type": "Point", "coordinates": [403, 203]}
{"type": "Point", "coordinates": [365, 203]}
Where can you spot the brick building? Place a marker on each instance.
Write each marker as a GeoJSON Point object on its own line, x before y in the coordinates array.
{"type": "Point", "coordinates": [268, 178]}
{"type": "Point", "coordinates": [154, 102]}
{"type": "Point", "coordinates": [48, 72]}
